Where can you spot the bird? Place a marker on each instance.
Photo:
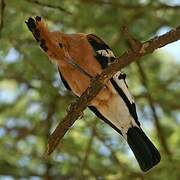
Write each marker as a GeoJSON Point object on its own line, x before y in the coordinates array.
{"type": "Point", "coordinates": [79, 57]}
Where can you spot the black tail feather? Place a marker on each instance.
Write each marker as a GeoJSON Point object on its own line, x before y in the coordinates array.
{"type": "Point", "coordinates": [145, 152]}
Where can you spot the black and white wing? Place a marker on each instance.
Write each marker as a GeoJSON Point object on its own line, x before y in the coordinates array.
{"type": "Point", "coordinates": [121, 107]}
{"type": "Point", "coordinates": [102, 51]}
{"type": "Point", "coordinates": [119, 83]}
{"type": "Point", "coordinates": [105, 56]}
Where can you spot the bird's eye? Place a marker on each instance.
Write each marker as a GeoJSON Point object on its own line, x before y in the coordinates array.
{"type": "Point", "coordinates": [112, 59]}
{"type": "Point", "coordinates": [60, 45]}
{"type": "Point", "coordinates": [43, 45]}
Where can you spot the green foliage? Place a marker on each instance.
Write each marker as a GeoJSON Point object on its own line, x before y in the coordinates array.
{"type": "Point", "coordinates": [33, 99]}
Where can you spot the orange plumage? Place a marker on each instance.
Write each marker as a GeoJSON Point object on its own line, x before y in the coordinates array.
{"type": "Point", "coordinates": [60, 48]}
{"type": "Point", "coordinates": [114, 104]}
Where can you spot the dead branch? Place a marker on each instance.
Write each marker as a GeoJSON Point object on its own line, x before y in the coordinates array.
{"type": "Point", "coordinates": [99, 81]}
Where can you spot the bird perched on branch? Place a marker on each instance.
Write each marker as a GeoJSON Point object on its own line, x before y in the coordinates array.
{"type": "Point", "coordinates": [80, 57]}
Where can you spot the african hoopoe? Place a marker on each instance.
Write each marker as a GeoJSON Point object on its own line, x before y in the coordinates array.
{"type": "Point", "coordinates": [114, 104]}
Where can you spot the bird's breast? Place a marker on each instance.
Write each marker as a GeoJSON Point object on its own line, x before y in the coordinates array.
{"type": "Point", "coordinates": [79, 82]}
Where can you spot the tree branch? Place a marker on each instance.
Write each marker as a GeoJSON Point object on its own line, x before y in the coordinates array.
{"type": "Point", "coordinates": [2, 8]}
{"type": "Point", "coordinates": [160, 6]}
{"type": "Point", "coordinates": [99, 81]}
{"type": "Point", "coordinates": [134, 44]}
{"type": "Point", "coordinates": [150, 100]}
{"type": "Point", "coordinates": [52, 106]}
{"type": "Point", "coordinates": [49, 6]}
{"type": "Point", "coordinates": [88, 148]}
{"type": "Point", "coordinates": [114, 156]}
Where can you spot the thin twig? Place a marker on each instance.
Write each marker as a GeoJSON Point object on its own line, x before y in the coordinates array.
{"type": "Point", "coordinates": [69, 60]}
{"type": "Point", "coordinates": [124, 6]}
{"type": "Point", "coordinates": [78, 67]}
{"type": "Point", "coordinates": [49, 6]}
{"type": "Point", "coordinates": [89, 168]}
{"type": "Point", "coordinates": [52, 106]}
{"type": "Point", "coordinates": [2, 8]}
{"type": "Point", "coordinates": [113, 153]}
{"type": "Point", "coordinates": [133, 43]}
{"type": "Point", "coordinates": [150, 100]}
{"type": "Point", "coordinates": [88, 149]}
{"type": "Point", "coordinates": [123, 166]}
{"type": "Point", "coordinates": [99, 81]}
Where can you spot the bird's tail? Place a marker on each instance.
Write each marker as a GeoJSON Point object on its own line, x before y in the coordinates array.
{"type": "Point", "coordinates": [145, 152]}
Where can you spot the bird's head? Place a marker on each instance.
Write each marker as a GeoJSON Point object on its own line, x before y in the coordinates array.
{"type": "Point", "coordinates": [51, 43]}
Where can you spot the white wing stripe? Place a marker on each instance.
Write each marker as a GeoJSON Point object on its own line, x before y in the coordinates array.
{"type": "Point", "coordinates": [122, 85]}
{"type": "Point", "coordinates": [106, 52]}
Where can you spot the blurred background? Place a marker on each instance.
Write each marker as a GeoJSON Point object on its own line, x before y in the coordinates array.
{"type": "Point", "coordinates": [33, 99]}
